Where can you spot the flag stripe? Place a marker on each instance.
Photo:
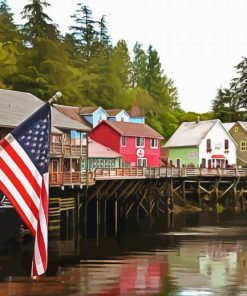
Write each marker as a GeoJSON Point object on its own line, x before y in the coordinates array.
{"type": "Point", "coordinates": [18, 206]}
{"type": "Point", "coordinates": [20, 176]}
{"type": "Point", "coordinates": [20, 188]}
{"type": "Point", "coordinates": [26, 165]}
{"type": "Point", "coordinates": [24, 177]}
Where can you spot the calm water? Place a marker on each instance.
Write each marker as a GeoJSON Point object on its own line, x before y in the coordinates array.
{"type": "Point", "coordinates": [190, 256]}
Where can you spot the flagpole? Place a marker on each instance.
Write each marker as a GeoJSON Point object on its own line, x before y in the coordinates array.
{"type": "Point", "coordinates": [54, 98]}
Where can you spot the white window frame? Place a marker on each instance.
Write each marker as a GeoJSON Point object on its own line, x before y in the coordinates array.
{"type": "Point", "coordinates": [151, 142]}
{"type": "Point", "coordinates": [121, 139]}
{"type": "Point", "coordinates": [142, 146]}
{"type": "Point", "coordinates": [236, 129]}
{"type": "Point", "coordinates": [142, 159]}
{"type": "Point", "coordinates": [242, 146]}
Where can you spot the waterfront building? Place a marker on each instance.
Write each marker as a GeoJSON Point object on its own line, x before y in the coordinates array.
{"type": "Point", "coordinates": [117, 115]}
{"type": "Point", "coordinates": [99, 156]}
{"type": "Point", "coordinates": [93, 115]}
{"type": "Point", "coordinates": [205, 144]}
{"type": "Point", "coordinates": [238, 131]}
{"type": "Point", "coordinates": [138, 144]}
{"type": "Point", "coordinates": [66, 152]}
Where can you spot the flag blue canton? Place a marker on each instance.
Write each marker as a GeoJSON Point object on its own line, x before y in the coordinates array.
{"type": "Point", "coordinates": [34, 138]}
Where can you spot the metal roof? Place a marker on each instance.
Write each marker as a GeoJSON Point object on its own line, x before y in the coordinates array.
{"type": "Point", "coordinates": [98, 150]}
{"type": "Point", "coordinates": [190, 133]}
{"type": "Point", "coordinates": [16, 106]}
{"type": "Point", "coordinates": [72, 112]}
{"type": "Point", "coordinates": [131, 129]}
{"type": "Point", "coordinates": [114, 112]}
{"type": "Point", "coordinates": [88, 110]}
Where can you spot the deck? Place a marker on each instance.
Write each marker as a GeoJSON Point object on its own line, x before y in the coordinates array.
{"type": "Point", "coordinates": [79, 178]}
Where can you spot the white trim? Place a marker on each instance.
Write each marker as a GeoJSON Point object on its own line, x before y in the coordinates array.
{"type": "Point", "coordinates": [143, 142]}
{"type": "Point", "coordinates": [155, 147]}
{"type": "Point", "coordinates": [142, 158]}
{"type": "Point", "coordinates": [121, 144]}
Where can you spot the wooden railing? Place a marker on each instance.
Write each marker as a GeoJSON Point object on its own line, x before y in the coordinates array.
{"type": "Point", "coordinates": [59, 149]}
{"type": "Point", "coordinates": [80, 178]}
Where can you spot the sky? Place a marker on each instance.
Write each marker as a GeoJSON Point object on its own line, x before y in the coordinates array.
{"type": "Point", "coordinates": [198, 41]}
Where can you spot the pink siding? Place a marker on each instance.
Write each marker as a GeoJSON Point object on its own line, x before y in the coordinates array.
{"type": "Point", "coordinates": [105, 135]}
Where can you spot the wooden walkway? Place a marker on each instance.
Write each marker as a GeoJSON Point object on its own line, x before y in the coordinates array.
{"type": "Point", "coordinates": [58, 179]}
{"type": "Point", "coordinates": [154, 173]}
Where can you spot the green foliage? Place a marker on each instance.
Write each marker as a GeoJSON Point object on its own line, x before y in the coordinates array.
{"type": "Point", "coordinates": [230, 103]}
{"type": "Point", "coordinates": [85, 66]}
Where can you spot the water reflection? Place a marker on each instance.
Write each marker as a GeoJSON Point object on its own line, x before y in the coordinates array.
{"type": "Point", "coordinates": [188, 260]}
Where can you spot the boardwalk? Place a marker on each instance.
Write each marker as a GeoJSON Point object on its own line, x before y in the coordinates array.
{"type": "Point", "coordinates": [78, 178]}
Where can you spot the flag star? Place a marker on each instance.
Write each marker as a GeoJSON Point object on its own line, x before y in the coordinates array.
{"type": "Point", "coordinates": [29, 137]}
{"type": "Point", "coordinates": [42, 133]}
{"type": "Point", "coordinates": [41, 139]}
{"type": "Point", "coordinates": [36, 133]}
{"type": "Point", "coordinates": [40, 145]}
{"type": "Point", "coordinates": [30, 132]}
{"type": "Point", "coordinates": [32, 151]}
{"type": "Point", "coordinates": [35, 138]}
{"type": "Point", "coordinates": [34, 145]}
{"type": "Point", "coordinates": [23, 137]}
{"type": "Point", "coordinates": [38, 125]}
{"type": "Point", "coordinates": [43, 127]}
{"type": "Point", "coordinates": [28, 143]}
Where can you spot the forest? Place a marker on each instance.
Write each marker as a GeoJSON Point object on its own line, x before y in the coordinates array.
{"type": "Point", "coordinates": [90, 70]}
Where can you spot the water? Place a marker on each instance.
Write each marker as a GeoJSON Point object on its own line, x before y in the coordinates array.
{"type": "Point", "coordinates": [199, 254]}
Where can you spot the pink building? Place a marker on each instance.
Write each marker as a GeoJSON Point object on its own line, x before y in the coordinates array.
{"type": "Point", "coordinates": [138, 143]}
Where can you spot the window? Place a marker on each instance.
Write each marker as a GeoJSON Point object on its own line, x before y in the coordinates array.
{"type": "Point", "coordinates": [209, 149]}
{"type": "Point", "coordinates": [243, 146]}
{"type": "Point", "coordinates": [141, 162]}
{"type": "Point", "coordinates": [154, 143]}
{"type": "Point", "coordinates": [54, 166]}
{"type": "Point", "coordinates": [236, 129]}
{"type": "Point", "coordinates": [139, 142]}
{"type": "Point", "coordinates": [226, 144]}
{"type": "Point", "coordinates": [123, 141]}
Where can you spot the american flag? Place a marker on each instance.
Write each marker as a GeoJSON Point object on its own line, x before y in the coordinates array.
{"type": "Point", "coordinates": [24, 161]}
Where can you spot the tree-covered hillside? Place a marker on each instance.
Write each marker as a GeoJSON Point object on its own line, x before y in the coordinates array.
{"type": "Point", "coordinates": [85, 66]}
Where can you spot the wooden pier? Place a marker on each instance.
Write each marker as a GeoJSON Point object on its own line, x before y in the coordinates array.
{"type": "Point", "coordinates": [118, 193]}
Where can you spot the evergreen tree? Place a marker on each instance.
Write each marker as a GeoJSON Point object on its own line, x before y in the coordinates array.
{"type": "Point", "coordinates": [139, 66]}
{"type": "Point", "coordinates": [84, 31]}
{"type": "Point", "coordinates": [39, 24]}
{"type": "Point", "coordinates": [10, 45]}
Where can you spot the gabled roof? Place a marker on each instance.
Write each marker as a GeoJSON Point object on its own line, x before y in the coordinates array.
{"type": "Point", "coordinates": [228, 125]}
{"type": "Point", "coordinates": [16, 106]}
{"type": "Point", "coordinates": [115, 112]}
{"type": "Point", "coordinates": [98, 150]}
{"type": "Point", "coordinates": [72, 112]}
{"type": "Point", "coordinates": [243, 124]}
{"type": "Point", "coordinates": [88, 110]}
{"type": "Point", "coordinates": [131, 129]}
{"type": "Point", "coordinates": [136, 111]}
{"type": "Point", "coordinates": [191, 133]}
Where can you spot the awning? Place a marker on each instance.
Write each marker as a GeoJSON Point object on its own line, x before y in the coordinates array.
{"type": "Point", "coordinates": [218, 156]}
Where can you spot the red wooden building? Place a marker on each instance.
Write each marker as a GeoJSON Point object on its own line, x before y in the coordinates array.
{"type": "Point", "coordinates": [138, 143]}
